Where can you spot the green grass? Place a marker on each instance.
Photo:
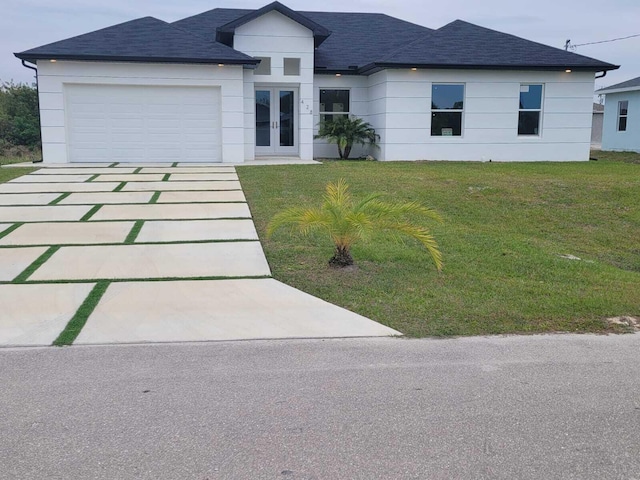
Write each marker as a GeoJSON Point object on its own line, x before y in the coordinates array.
{"type": "Point", "coordinates": [7, 174]}
{"type": "Point", "coordinates": [74, 327]}
{"type": "Point", "coordinates": [505, 227]}
{"type": "Point", "coordinates": [628, 157]}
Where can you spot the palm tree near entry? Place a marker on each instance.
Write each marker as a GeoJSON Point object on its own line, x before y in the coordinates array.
{"type": "Point", "coordinates": [346, 131]}
{"type": "Point", "coordinates": [347, 222]}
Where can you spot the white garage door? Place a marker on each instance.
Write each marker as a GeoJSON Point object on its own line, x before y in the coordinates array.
{"type": "Point", "coordinates": [126, 123]}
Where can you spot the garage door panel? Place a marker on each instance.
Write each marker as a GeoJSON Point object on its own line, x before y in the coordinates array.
{"type": "Point", "coordinates": [128, 123]}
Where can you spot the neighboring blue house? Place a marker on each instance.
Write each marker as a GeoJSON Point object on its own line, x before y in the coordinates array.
{"type": "Point", "coordinates": [621, 130]}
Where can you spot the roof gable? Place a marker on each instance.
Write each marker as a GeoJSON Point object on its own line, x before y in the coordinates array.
{"type": "Point", "coordinates": [465, 45]}
{"type": "Point", "coordinates": [224, 33]}
{"type": "Point", "coordinates": [141, 40]}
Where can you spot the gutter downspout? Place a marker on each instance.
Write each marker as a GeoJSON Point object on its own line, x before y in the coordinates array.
{"type": "Point", "coordinates": [604, 74]}
{"type": "Point", "coordinates": [39, 113]}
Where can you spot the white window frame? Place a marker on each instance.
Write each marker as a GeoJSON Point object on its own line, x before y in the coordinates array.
{"type": "Point", "coordinates": [321, 113]}
{"type": "Point", "coordinates": [540, 110]}
{"type": "Point", "coordinates": [620, 116]}
{"type": "Point", "coordinates": [461, 111]}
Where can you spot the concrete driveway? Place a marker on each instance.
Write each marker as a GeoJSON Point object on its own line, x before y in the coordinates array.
{"type": "Point", "coordinates": [97, 254]}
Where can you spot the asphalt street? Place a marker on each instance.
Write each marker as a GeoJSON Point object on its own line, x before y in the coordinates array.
{"type": "Point", "coordinates": [539, 407]}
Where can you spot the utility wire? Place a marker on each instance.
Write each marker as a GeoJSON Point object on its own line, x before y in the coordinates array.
{"type": "Point", "coordinates": [606, 41]}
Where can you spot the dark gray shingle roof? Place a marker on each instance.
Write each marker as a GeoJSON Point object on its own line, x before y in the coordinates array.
{"type": "Point", "coordinates": [633, 83]}
{"type": "Point", "coordinates": [463, 44]}
{"type": "Point", "coordinates": [358, 43]}
{"type": "Point", "coordinates": [144, 39]}
{"type": "Point", "coordinates": [356, 39]}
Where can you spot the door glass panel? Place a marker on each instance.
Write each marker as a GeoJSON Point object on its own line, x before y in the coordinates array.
{"type": "Point", "coordinates": [263, 118]}
{"type": "Point", "coordinates": [286, 118]}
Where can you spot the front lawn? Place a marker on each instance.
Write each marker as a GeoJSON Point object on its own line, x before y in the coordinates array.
{"type": "Point", "coordinates": [506, 227]}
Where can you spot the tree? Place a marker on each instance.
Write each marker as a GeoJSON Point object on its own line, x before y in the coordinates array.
{"type": "Point", "coordinates": [19, 119]}
{"type": "Point", "coordinates": [345, 131]}
{"type": "Point", "coordinates": [347, 222]}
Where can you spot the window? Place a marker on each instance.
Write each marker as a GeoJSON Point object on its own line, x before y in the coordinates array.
{"type": "Point", "coordinates": [530, 110]}
{"type": "Point", "coordinates": [264, 67]}
{"type": "Point", "coordinates": [333, 103]}
{"type": "Point", "coordinates": [623, 108]}
{"type": "Point", "coordinates": [292, 66]}
{"type": "Point", "coordinates": [447, 106]}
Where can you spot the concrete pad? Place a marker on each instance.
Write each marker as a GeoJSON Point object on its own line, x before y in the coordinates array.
{"type": "Point", "coordinates": [195, 230]}
{"type": "Point", "coordinates": [189, 170]}
{"type": "Point", "coordinates": [13, 262]}
{"type": "Point", "coordinates": [189, 197]}
{"type": "Point", "coordinates": [37, 314]}
{"type": "Point", "coordinates": [172, 186]}
{"type": "Point", "coordinates": [100, 198]}
{"type": "Point", "coordinates": [58, 187]}
{"type": "Point", "coordinates": [198, 164]}
{"type": "Point", "coordinates": [22, 165]}
{"type": "Point", "coordinates": [226, 259]}
{"type": "Point", "coordinates": [144, 165]}
{"type": "Point", "coordinates": [218, 310]}
{"type": "Point", "coordinates": [27, 198]}
{"type": "Point", "coordinates": [132, 177]}
{"type": "Point", "coordinates": [177, 177]}
{"type": "Point", "coordinates": [87, 170]}
{"type": "Point", "coordinates": [76, 233]}
{"type": "Point", "coordinates": [173, 211]}
{"type": "Point", "coordinates": [51, 213]}
{"type": "Point", "coordinates": [76, 165]}
{"type": "Point", "coordinates": [51, 178]}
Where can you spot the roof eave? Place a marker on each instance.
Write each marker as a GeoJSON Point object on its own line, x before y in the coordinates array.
{"type": "Point", "coordinates": [605, 91]}
{"type": "Point", "coordinates": [377, 66]}
{"type": "Point", "coordinates": [31, 57]}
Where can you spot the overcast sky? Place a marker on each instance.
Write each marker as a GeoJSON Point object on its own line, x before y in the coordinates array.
{"type": "Point", "coordinates": [26, 24]}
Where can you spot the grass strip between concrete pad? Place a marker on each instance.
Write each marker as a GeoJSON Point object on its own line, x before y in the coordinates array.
{"type": "Point", "coordinates": [78, 321]}
{"type": "Point", "coordinates": [90, 213]}
{"type": "Point", "coordinates": [92, 178]}
{"type": "Point", "coordinates": [166, 177]}
{"type": "Point", "coordinates": [27, 272]}
{"type": "Point", "coordinates": [137, 170]}
{"type": "Point", "coordinates": [146, 279]}
{"type": "Point", "coordinates": [120, 187]}
{"type": "Point", "coordinates": [113, 165]}
{"type": "Point", "coordinates": [56, 201]}
{"type": "Point", "coordinates": [12, 228]}
{"type": "Point", "coordinates": [174, 164]}
{"type": "Point", "coordinates": [155, 197]}
{"type": "Point", "coordinates": [135, 231]}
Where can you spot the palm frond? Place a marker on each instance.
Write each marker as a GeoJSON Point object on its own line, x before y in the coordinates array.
{"type": "Point", "coordinates": [384, 209]}
{"type": "Point", "coordinates": [298, 218]}
{"type": "Point", "coordinates": [346, 223]}
{"type": "Point", "coordinates": [422, 234]}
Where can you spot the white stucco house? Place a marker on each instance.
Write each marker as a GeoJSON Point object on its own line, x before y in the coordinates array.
{"type": "Point", "coordinates": [232, 85]}
{"type": "Point", "coordinates": [621, 130]}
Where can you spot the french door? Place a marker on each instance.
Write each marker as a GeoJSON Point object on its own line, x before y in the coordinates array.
{"type": "Point", "coordinates": [276, 121]}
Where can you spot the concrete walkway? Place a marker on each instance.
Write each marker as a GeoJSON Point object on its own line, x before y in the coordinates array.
{"type": "Point", "coordinates": [99, 254]}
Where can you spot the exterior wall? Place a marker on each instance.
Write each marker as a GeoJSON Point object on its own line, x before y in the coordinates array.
{"type": "Point", "coordinates": [614, 140]}
{"type": "Point", "coordinates": [276, 36]}
{"type": "Point", "coordinates": [359, 106]}
{"type": "Point", "coordinates": [596, 128]}
{"type": "Point", "coordinates": [52, 78]}
{"type": "Point", "coordinates": [400, 109]}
